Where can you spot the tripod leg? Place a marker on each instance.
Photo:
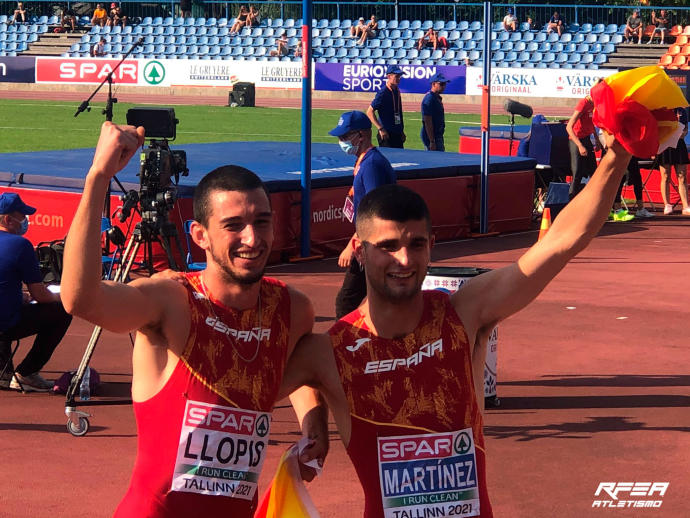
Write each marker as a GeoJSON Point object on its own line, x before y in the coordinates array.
{"type": "Point", "coordinates": [165, 243]}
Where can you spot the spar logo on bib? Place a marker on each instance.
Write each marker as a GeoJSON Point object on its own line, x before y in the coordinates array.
{"type": "Point", "coordinates": [154, 73]}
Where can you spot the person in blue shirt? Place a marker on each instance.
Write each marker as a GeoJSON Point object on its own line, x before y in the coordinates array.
{"type": "Point", "coordinates": [433, 116]}
{"type": "Point", "coordinates": [372, 169]}
{"type": "Point", "coordinates": [46, 318]}
{"type": "Point", "coordinates": [388, 104]}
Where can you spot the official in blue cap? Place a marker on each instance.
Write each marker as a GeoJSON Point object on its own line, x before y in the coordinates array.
{"type": "Point", "coordinates": [388, 104]}
{"type": "Point", "coordinates": [372, 169]}
{"type": "Point", "coordinates": [46, 319]}
{"type": "Point", "coordinates": [433, 116]}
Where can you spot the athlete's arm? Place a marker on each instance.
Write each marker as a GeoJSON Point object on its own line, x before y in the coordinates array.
{"type": "Point", "coordinates": [312, 364]}
{"type": "Point", "coordinates": [487, 299]}
{"type": "Point", "coordinates": [570, 129]}
{"type": "Point", "coordinates": [113, 306]}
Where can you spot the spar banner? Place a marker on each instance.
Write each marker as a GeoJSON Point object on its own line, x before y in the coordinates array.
{"type": "Point", "coordinates": [362, 77]}
{"type": "Point", "coordinates": [536, 82]}
{"type": "Point", "coordinates": [17, 69]}
{"type": "Point", "coordinates": [89, 70]}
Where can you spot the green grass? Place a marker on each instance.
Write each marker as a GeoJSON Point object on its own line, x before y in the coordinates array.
{"type": "Point", "coordinates": [44, 125]}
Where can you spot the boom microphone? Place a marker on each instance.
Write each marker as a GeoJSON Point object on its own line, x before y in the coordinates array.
{"type": "Point", "coordinates": [516, 108]}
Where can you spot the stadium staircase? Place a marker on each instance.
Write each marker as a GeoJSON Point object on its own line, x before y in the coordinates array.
{"type": "Point", "coordinates": [52, 44]}
{"type": "Point", "coordinates": [631, 55]}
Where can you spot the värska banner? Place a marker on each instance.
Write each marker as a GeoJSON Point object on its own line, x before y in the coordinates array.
{"type": "Point", "coordinates": [366, 77]}
{"type": "Point", "coordinates": [17, 69]}
{"type": "Point", "coordinates": [536, 82]}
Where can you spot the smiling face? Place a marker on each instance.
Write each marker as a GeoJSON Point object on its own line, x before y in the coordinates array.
{"type": "Point", "coordinates": [238, 235]}
{"type": "Point", "coordinates": [395, 256]}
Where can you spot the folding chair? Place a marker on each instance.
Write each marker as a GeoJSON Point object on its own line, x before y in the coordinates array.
{"type": "Point", "coordinates": [9, 364]}
{"type": "Point", "coordinates": [191, 266]}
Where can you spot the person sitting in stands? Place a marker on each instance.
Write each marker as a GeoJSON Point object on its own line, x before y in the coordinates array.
{"type": "Point", "coordinates": [281, 46]}
{"type": "Point", "coordinates": [68, 19]}
{"type": "Point", "coordinates": [662, 22]}
{"type": "Point", "coordinates": [240, 21]}
{"type": "Point", "coordinates": [428, 40]}
{"type": "Point", "coordinates": [556, 23]}
{"type": "Point", "coordinates": [100, 16]}
{"type": "Point", "coordinates": [98, 50]}
{"type": "Point", "coordinates": [356, 31]}
{"type": "Point", "coordinates": [116, 16]}
{"type": "Point", "coordinates": [369, 30]}
{"type": "Point", "coordinates": [633, 27]}
{"type": "Point", "coordinates": [19, 11]}
{"type": "Point", "coordinates": [253, 16]}
{"type": "Point", "coordinates": [510, 22]}
{"type": "Point", "coordinates": [531, 26]}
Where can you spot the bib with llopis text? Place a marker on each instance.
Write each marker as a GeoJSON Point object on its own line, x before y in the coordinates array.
{"type": "Point", "coordinates": [421, 473]}
{"type": "Point", "coordinates": [221, 450]}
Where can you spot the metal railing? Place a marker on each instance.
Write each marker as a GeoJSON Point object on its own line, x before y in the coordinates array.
{"type": "Point", "coordinates": [384, 10]}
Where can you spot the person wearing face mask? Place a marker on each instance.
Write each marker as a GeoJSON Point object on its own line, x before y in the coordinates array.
{"type": "Point", "coordinates": [388, 104]}
{"type": "Point", "coordinates": [19, 318]}
{"type": "Point", "coordinates": [372, 169]}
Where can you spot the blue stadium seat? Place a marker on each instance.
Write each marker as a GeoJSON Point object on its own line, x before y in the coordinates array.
{"type": "Point", "coordinates": [536, 57]}
{"type": "Point", "coordinates": [604, 38]}
{"type": "Point", "coordinates": [574, 58]}
{"type": "Point", "coordinates": [334, 24]}
{"type": "Point", "coordinates": [554, 65]}
{"type": "Point", "coordinates": [470, 45]}
{"type": "Point", "coordinates": [557, 47]}
{"type": "Point", "coordinates": [611, 28]}
{"type": "Point", "coordinates": [574, 28]}
{"type": "Point", "coordinates": [200, 22]}
{"type": "Point", "coordinates": [147, 20]}
{"type": "Point", "coordinates": [211, 22]}
{"type": "Point", "coordinates": [562, 57]}
{"type": "Point", "coordinates": [450, 25]}
{"type": "Point", "coordinates": [213, 40]}
{"type": "Point", "coordinates": [608, 48]}
{"type": "Point", "coordinates": [364, 53]}
{"type": "Point", "coordinates": [532, 46]}
{"type": "Point", "coordinates": [495, 45]}
{"type": "Point", "coordinates": [578, 38]}
{"type": "Point", "coordinates": [515, 36]}
{"type": "Point", "coordinates": [566, 37]}
{"type": "Point", "coordinates": [462, 25]}
{"type": "Point", "coordinates": [586, 28]}
{"type": "Point", "coordinates": [591, 38]}
{"type": "Point", "coordinates": [42, 29]}
{"type": "Point", "coordinates": [276, 23]}
{"type": "Point", "coordinates": [552, 37]}
{"type": "Point", "coordinates": [415, 25]}
{"type": "Point", "coordinates": [428, 24]}
{"type": "Point", "coordinates": [157, 40]}
{"type": "Point", "coordinates": [507, 46]}
{"type": "Point", "coordinates": [449, 55]}
{"type": "Point", "coordinates": [157, 21]}
{"type": "Point", "coordinates": [539, 37]}
{"type": "Point", "coordinates": [202, 31]}
{"type": "Point", "coordinates": [510, 56]}
{"type": "Point", "coordinates": [224, 31]}
{"type": "Point", "coordinates": [180, 50]}
{"type": "Point", "coordinates": [322, 24]}
{"type": "Point", "coordinates": [524, 28]}
{"type": "Point", "coordinates": [519, 46]}
{"type": "Point", "coordinates": [478, 36]}
{"type": "Point", "coordinates": [336, 33]}
{"type": "Point", "coordinates": [475, 26]}
{"type": "Point", "coordinates": [497, 26]}
{"type": "Point", "coordinates": [412, 54]}
{"type": "Point", "coordinates": [621, 29]}
{"type": "Point", "coordinates": [503, 36]}
{"type": "Point", "coordinates": [170, 49]}
{"type": "Point", "coordinates": [178, 31]}
{"type": "Point", "coordinates": [346, 24]}
{"type": "Point", "coordinates": [587, 59]}
{"type": "Point", "coordinates": [569, 48]}
{"type": "Point", "coordinates": [353, 52]}
{"type": "Point", "coordinates": [417, 34]}
{"type": "Point", "coordinates": [549, 57]}
{"type": "Point", "coordinates": [498, 55]}
{"type": "Point", "coordinates": [191, 40]}
{"type": "Point", "coordinates": [178, 21]}
{"type": "Point", "coordinates": [325, 33]}
{"type": "Point", "coordinates": [541, 65]}
{"type": "Point", "coordinates": [598, 28]}
{"type": "Point", "coordinates": [400, 54]}
{"type": "Point", "coordinates": [212, 31]}
{"type": "Point", "coordinates": [528, 36]}
{"type": "Point", "coordinates": [248, 51]}
{"type": "Point", "coordinates": [258, 52]}
{"type": "Point", "coordinates": [616, 39]}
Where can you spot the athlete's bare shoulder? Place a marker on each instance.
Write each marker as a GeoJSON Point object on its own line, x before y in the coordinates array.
{"type": "Point", "coordinates": [301, 315]}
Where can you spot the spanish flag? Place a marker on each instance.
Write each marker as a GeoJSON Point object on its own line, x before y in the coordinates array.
{"type": "Point", "coordinates": [636, 106]}
{"type": "Point", "coordinates": [287, 497]}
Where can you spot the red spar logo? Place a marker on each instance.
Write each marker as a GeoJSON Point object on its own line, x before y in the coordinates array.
{"type": "Point", "coordinates": [85, 70]}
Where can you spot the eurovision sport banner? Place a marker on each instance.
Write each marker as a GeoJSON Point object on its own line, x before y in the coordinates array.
{"type": "Point", "coordinates": [19, 69]}
{"type": "Point", "coordinates": [363, 77]}
{"type": "Point", "coordinates": [536, 82]}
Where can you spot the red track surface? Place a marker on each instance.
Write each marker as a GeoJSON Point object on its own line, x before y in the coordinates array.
{"type": "Point", "coordinates": [593, 379]}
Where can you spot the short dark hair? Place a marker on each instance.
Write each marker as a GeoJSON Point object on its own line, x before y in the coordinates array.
{"type": "Point", "coordinates": [224, 178]}
{"type": "Point", "coordinates": [392, 202]}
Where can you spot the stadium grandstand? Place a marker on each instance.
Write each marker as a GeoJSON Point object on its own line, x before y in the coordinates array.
{"type": "Point", "coordinates": [594, 44]}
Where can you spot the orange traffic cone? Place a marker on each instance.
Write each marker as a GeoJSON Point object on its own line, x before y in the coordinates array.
{"type": "Point", "coordinates": [545, 223]}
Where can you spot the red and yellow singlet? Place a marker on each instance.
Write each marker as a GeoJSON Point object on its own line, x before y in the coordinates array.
{"type": "Point", "coordinates": [202, 438]}
{"type": "Point", "coordinates": [417, 440]}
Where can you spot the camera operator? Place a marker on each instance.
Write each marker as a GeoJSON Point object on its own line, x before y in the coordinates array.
{"type": "Point", "coordinates": [218, 343]}
{"type": "Point", "coordinates": [18, 317]}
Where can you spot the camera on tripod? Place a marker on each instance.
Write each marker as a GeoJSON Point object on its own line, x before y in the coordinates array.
{"type": "Point", "coordinates": [159, 166]}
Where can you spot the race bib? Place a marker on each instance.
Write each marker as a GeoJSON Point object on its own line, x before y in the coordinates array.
{"type": "Point", "coordinates": [221, 450]}
{"type": "Point", "coordinates": [429, 475]}
{"type": "Point", "coordinates": [397, 119]}
{"type": "Point", "coordinates": [349, 209]}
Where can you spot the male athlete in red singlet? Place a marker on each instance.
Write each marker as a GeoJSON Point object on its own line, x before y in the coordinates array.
{"type": "Point", "coordinates": [411, 362]}
{"type": "Point", "coordinates": [209, 354]}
